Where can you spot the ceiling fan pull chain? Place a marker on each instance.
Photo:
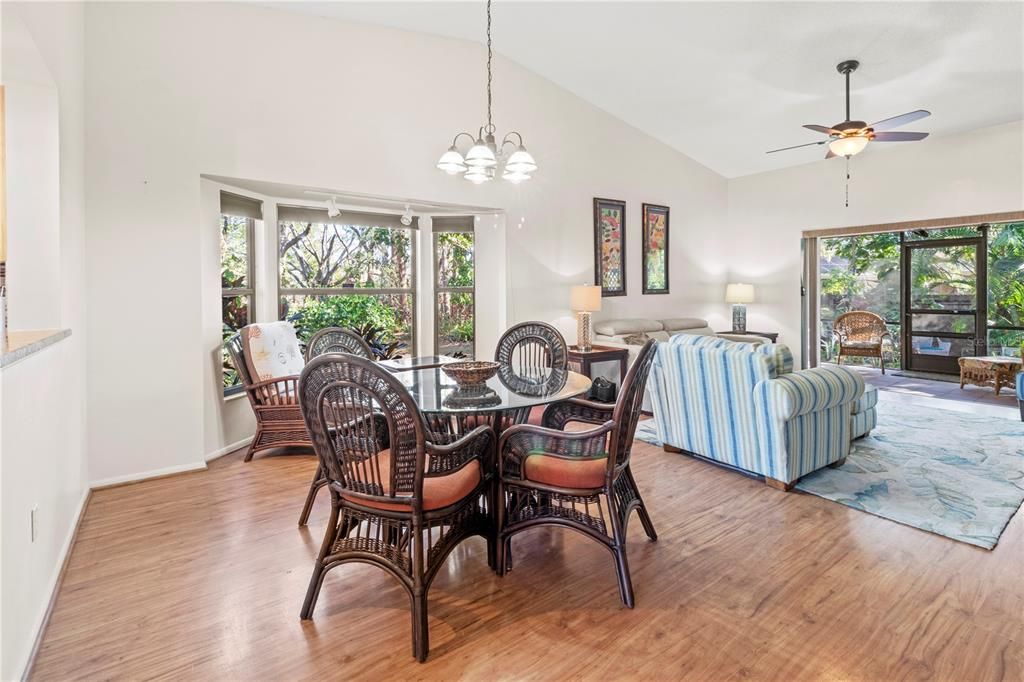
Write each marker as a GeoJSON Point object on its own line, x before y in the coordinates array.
{"type": "Point", "coordinates": [847, 182]}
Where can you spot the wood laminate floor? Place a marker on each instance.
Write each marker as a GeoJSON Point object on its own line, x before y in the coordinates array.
{"type": "Point", "coordinates": [201, 577]}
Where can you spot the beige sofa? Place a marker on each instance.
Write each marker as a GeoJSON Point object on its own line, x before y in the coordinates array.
{"type": "Point", "coordinates": [619, 334]}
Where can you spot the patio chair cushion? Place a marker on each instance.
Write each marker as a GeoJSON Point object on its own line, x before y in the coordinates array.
{"type": "Point", "coordinates": [271, 350]}
{"type": "Point", "coordinates": [862, 344]}
{"type": "Point", "coordinates": [541, 467]}
{"type": "Point", "coordinates": [438, 491]}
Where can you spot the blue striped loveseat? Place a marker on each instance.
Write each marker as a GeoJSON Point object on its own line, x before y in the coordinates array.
{"type": "Point", "coordinates": [744, 406]}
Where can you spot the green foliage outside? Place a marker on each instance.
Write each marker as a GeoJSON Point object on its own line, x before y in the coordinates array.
{"type": "Point", "coordinates": [315, 313]}
{"type": "Point", "coordinates": [863, 273]}
{"type": "Point", "coordinates": [455, 267]}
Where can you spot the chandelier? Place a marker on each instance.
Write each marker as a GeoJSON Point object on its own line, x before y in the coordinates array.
{"type": "Point", "coordinates": [485, 158]}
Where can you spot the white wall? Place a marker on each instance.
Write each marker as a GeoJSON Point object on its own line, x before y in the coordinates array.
{"type": "Point", "coordinates": [972, 173]}
{"type": "Point", "coordinates": [317, 110]}
{"type": "Point", "coordinates": [42, 455]}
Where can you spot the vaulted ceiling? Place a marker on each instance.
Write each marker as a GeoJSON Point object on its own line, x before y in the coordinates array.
{"type": "Point", "coordinates": [724, 82]}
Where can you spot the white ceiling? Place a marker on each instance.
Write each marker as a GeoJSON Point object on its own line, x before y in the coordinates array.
{"type": "Point", "coordinates": [723, 82]}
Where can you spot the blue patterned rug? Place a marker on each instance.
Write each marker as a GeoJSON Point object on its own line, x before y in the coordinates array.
{"type": "Point", "coordinates": [952, 473]}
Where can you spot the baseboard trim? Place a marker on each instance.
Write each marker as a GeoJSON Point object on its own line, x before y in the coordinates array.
{"type": "Point", "coordinates": [145, 476]}
{"type": "Point", "coordinates": [56, 583]}
{"type": "Point", "coordinates": [228, 449]}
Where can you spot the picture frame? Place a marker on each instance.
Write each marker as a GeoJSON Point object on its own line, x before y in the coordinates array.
{"type": "Point", "coordinates": [610, 246]}
{"type": "Point", "coordinates": [655, 234]}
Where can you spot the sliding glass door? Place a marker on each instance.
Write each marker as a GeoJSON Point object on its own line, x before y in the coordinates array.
{"type": "Point", "coordinates": [944, 302]}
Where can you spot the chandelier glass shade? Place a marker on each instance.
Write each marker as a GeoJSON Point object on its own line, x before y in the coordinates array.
{"type": "Point", "coordinates": [485, 158]}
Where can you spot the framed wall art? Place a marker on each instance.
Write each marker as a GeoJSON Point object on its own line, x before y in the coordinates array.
{"type": "Point", "coordinates": [610, 246]}
{"type": "Point", "coordinates": [655, 249]}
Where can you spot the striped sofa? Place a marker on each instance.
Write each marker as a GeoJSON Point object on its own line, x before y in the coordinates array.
{"type": "Point", "coordinates": [744, 406]}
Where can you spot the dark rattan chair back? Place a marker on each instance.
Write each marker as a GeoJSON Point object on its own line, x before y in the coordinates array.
{"type": "Point", "coordinates": [628, 406]}
{"type": "Point", "coordinates": [337, 340]}
{"type": "Point", "coordinates": [532, 344]}
{"type": "Point", "coordinates": [354, 409]}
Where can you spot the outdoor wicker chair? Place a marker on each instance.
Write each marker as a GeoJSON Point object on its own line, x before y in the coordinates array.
{"type": "Point", "coordinates": [337, 340]}
{"type": "Point", "coordinates": [578, 479]}
{"type": "Point", "coordinates": [529, 345]}
{"type": "Point", "coordinates": [401, 497]}
{"type": "Point", "coordinates": [860, 334]}
{"type": "Point", "coordinates": [274, 402]}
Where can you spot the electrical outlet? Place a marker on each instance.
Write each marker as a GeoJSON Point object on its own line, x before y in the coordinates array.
{"type": "Point", "coordinates": [35, 522]}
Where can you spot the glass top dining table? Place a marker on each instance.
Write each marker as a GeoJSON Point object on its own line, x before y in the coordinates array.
{"type": "Point", "coordinates": [511, 389]}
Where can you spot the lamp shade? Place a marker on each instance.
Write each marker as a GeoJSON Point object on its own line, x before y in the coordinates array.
{"type": "Point", "coordinates": [739, 293]}
{"type": "Point", "coordinates": [585, 299]}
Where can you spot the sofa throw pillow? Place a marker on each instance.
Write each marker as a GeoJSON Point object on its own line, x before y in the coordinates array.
{"type": "Point", "coordinates": [272, 350]}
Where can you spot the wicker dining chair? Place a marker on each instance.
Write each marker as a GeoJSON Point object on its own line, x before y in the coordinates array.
{"type": "Point", "coordinates": [401, 497]}
{"type": "Point", "coordinates": [529, 345]}
{"type": "Point", "coordinates": [330, 340]}
{"type": "Point", "coordinates": [861, 334]}
{"type": "Point", "coordinates": [337, 340]}
{"type": "Point", "coordinates": [553, 477]}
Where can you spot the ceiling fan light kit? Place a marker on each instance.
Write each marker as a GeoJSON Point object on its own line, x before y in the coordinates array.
{"type": "Point", "coordinates": [850, 137]}
{"type": "Point", "coordinates": [485, 157]}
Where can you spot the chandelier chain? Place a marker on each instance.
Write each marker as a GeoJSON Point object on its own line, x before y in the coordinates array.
{"type": "Point", "coordinates": [490, 124]}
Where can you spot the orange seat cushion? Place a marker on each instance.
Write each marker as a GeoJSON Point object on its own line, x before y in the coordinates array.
{"type": "Point", "coordinates": [438, 491]}
{"type": "Point", "coordinates": [541, 467]}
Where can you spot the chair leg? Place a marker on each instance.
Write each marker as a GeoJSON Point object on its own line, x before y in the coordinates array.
{"type": "Point", "coordinates": [619, 549]}
{"type": "Point", "coordinates": [641, 510]}
{"type": "Point", "coordinates": [254, 444]}
{"type": "Point", "coordinates": [625, 583]}
{"type": "Point", "coordinates": [501, 546]}
{"type": "Point", "coordinates": [319, 481]}
{"type": "Point", "coordinates": [420, 631]}
{"type": "Point", "coordinates": [317, 579]}
{"type": "Point", "coordinates": [881, 363]}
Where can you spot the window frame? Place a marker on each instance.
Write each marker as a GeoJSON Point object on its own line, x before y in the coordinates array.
{"type": "Point", "coordinates": [438, 289]}
{"type": "Point", "coordinates": [248, 291]}
{"type": "Point", "coordinates": [412, 291]}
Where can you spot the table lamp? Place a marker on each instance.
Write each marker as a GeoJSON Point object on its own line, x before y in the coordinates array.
{"type": "Point", "coordinates": [585, 299]}
{"type": "Point", "coordinates": [739, 295]}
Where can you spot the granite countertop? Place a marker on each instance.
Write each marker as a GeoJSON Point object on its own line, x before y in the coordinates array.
{"type": "Point", "coordinates": [22, 344]}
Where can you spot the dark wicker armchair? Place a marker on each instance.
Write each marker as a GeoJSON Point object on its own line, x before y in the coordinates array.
{"type": "Point", "coordinates": [401, 497]}
{"type": "Point", "coordinates": [532, 344]}
{"type": "Point", "coordinates": [330, 340]}
{"type": "Point", "coordinates": [337, 340]}
{"type": "Point", "coordinates": [579, 479]}
{"type": "Point", "coordinates": [861, 334]}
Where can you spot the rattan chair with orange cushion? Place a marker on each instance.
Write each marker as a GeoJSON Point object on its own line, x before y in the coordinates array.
{"type": "Point", "coordinates": [861, 334]}
{"type": "Point", "coordinates": [577, 479]}
{"type": "Point", "coordinates": [402, 497]}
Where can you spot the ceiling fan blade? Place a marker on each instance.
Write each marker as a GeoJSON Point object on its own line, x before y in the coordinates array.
{"type": "Point", "coordinates": [830, 155]}
{"type": "Point", "coordinates": [822, 129]}
{"type": "Point", "coordinates": [902, 119]}
{"type": "Point", "coordinates": [899, 137]}
{"type": "Point", "coordinates": [809, 144]}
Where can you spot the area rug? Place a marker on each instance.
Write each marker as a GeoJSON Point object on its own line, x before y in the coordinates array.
{"type": "Point", "coordinates": [948, 472]}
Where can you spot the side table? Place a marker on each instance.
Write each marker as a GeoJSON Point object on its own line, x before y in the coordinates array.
{"type": "Point", "coordinates": [995, 371]}
{"type": "Point", "coordinates": [584, 359]}
{"type": "Point", "coordinates": [771, 336]}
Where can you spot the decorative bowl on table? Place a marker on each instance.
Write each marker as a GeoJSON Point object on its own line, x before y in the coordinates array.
{"type": "Point", "coordinates": [471, 372]}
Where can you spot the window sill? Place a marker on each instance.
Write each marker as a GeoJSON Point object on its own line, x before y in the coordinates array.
{"type": "Point", "coordinates": [22, 344]}
{"type": "Point", "coordinates": [233, 396]}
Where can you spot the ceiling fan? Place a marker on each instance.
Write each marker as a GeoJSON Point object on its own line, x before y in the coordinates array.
{"type": "Point", "coordinates": [851, 137]}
